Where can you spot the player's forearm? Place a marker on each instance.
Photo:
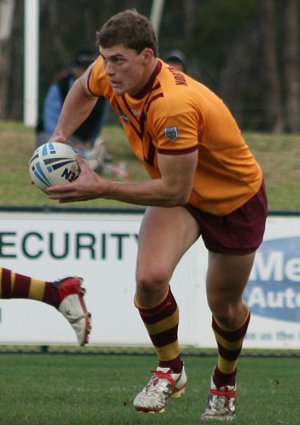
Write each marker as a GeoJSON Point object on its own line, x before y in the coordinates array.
{"type": "Point", "coordinates": [77, 107]}
{"type": "Point", "coordinates": [171, 189]}
{"type": "Point", "coordinates": [148, 193]}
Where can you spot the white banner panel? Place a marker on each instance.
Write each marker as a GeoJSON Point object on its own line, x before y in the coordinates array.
{"type": "Point", "coordinates": [102, 247]}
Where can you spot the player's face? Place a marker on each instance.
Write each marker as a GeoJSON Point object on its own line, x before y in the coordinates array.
{"type": "Point", "coordinates": [127, 70]}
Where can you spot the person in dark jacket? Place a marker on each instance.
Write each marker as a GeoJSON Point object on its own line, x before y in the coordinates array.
{"type": "Point", "coordinates": [87, 138]}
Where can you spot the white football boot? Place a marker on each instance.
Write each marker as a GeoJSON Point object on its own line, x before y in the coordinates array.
{"type": "Point", "coordinates": [220, 403]}
{"type": "Point", "coordinates": [73, 308]}
{"type": "Point", "coordinates": [163, 385]}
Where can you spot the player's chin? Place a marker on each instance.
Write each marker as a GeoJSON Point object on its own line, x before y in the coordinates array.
{"type": "Point", "coordinates": [118, 89]}
{"type": "Point", "coordinates": [119, 92]}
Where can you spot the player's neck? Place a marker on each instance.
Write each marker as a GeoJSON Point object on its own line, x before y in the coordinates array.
{"type": "Point", "coordinates": [150, 75]}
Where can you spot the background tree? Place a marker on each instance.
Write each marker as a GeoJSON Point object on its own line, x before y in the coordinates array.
{"type": "Point", "coordinates": [11, 60]}
{"type": "Point", "coordinates": [270, 72]}
{"type": "Point", "coordinates": [248, 53]}
{"type": "Point", "coordinates": [291, 68]}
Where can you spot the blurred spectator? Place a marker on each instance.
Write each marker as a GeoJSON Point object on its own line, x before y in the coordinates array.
{"type": "Point", "coordinates": [177, 60]}
{"type": "Point", "coordinates": [87, 138]}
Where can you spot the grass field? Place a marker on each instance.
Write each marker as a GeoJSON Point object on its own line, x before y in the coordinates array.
{"type": "Point", "coordinates": [18, 143]}
{"type": "Point", "coordinates": [278, 155]}
{"type": "Point", "coordinates": [59, 389]}
{"type": "Point", "coordinates": [86, 389]}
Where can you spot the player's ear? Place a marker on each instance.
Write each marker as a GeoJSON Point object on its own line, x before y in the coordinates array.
{"type": "Point", "coordinates": [148, 55]}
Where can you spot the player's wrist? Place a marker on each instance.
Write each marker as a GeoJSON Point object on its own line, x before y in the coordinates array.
{"type": "Point", "coordinates": [58, 136]}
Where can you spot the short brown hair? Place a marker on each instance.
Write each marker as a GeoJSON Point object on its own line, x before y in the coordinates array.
{"type": "Point", "coordinates": [129, 28]}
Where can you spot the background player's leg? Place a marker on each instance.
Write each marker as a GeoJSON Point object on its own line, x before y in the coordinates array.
{"type": "Point", "coordinates": [67, 295]}
{"type": "Point", "coordinates": [15, 285]}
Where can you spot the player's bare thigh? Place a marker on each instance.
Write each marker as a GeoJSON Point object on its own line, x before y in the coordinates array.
{"type": "Point", "coordinates": [165, 235]}
{"type": "Point", "coordinates": [227, 276]}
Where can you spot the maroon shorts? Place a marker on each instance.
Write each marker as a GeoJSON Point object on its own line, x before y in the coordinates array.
{"type": "Point", "coordinates": [238, 233]}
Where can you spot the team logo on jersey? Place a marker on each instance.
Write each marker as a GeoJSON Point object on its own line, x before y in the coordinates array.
{"type": "Point", "coordinates": [171, 133]}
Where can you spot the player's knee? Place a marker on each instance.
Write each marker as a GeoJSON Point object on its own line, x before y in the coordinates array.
{"type": "Point", "coordinates": [151, 279]}
{"type": "Point", "coordinates": [227, 315]}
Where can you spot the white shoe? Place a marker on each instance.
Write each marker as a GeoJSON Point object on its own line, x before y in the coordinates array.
{"type": "Point", "coordinates": [95, 164]}
{"type": "Point", "coordinates": [73, 308]}
{"type": "Point", "coordinates": [100, 151]}
{"type": "Point", "coordinates": [163, 385]}
{"type": "Point", "coordinates": [220, 403]}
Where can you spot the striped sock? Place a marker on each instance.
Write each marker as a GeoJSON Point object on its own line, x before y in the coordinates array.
{"type": "Point", "coordinates": [229, 348]}
{"type": "Point", "coordinates": [162, 325]}
{"type": "Point", "coordinates": [14, 285]}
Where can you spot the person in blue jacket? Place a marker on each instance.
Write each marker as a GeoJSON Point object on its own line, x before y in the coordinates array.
{"type": "Point", "coordinates": [87, 138]}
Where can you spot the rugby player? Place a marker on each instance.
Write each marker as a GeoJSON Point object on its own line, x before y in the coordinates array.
{"type": "Point", "coordinates": [204, 182]}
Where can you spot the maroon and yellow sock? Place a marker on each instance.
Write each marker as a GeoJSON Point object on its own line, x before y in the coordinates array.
{"type": "Point", "coordinates": [229, 348]}
{"type": "Point", "coordinates": [162, 325]}
{"type": "Point", "coordinates": [14, 285]}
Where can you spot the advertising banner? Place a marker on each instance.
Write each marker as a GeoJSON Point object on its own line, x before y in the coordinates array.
{"type": "Point", "coordinates": [273, 290]}
{"type": "Point", "coordinates": [102, 246]}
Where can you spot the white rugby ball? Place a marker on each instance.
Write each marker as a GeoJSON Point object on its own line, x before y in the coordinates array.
{"type": "Point", "coordinates": [52, 164]}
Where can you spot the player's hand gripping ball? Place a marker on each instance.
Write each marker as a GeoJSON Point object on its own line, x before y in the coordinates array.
{"type": "Point", "coordinates": [53, 164]}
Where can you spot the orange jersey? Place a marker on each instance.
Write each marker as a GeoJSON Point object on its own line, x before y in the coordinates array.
{"type": "Point", "coordinates": [173, 115]}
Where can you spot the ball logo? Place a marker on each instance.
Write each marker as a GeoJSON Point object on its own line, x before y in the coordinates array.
{"type": "Point", "coordinates": [273, 290]}
{"type": "Point", "coordinates": [69, 175]}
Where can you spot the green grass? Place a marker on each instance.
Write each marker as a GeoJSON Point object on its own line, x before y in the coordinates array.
{"type": "Point", "coordinates": [87, 389]}
{"type": "Point", "coordinates": [278, 155]}
{"type": "Point", "coordinates": [18, 143]}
